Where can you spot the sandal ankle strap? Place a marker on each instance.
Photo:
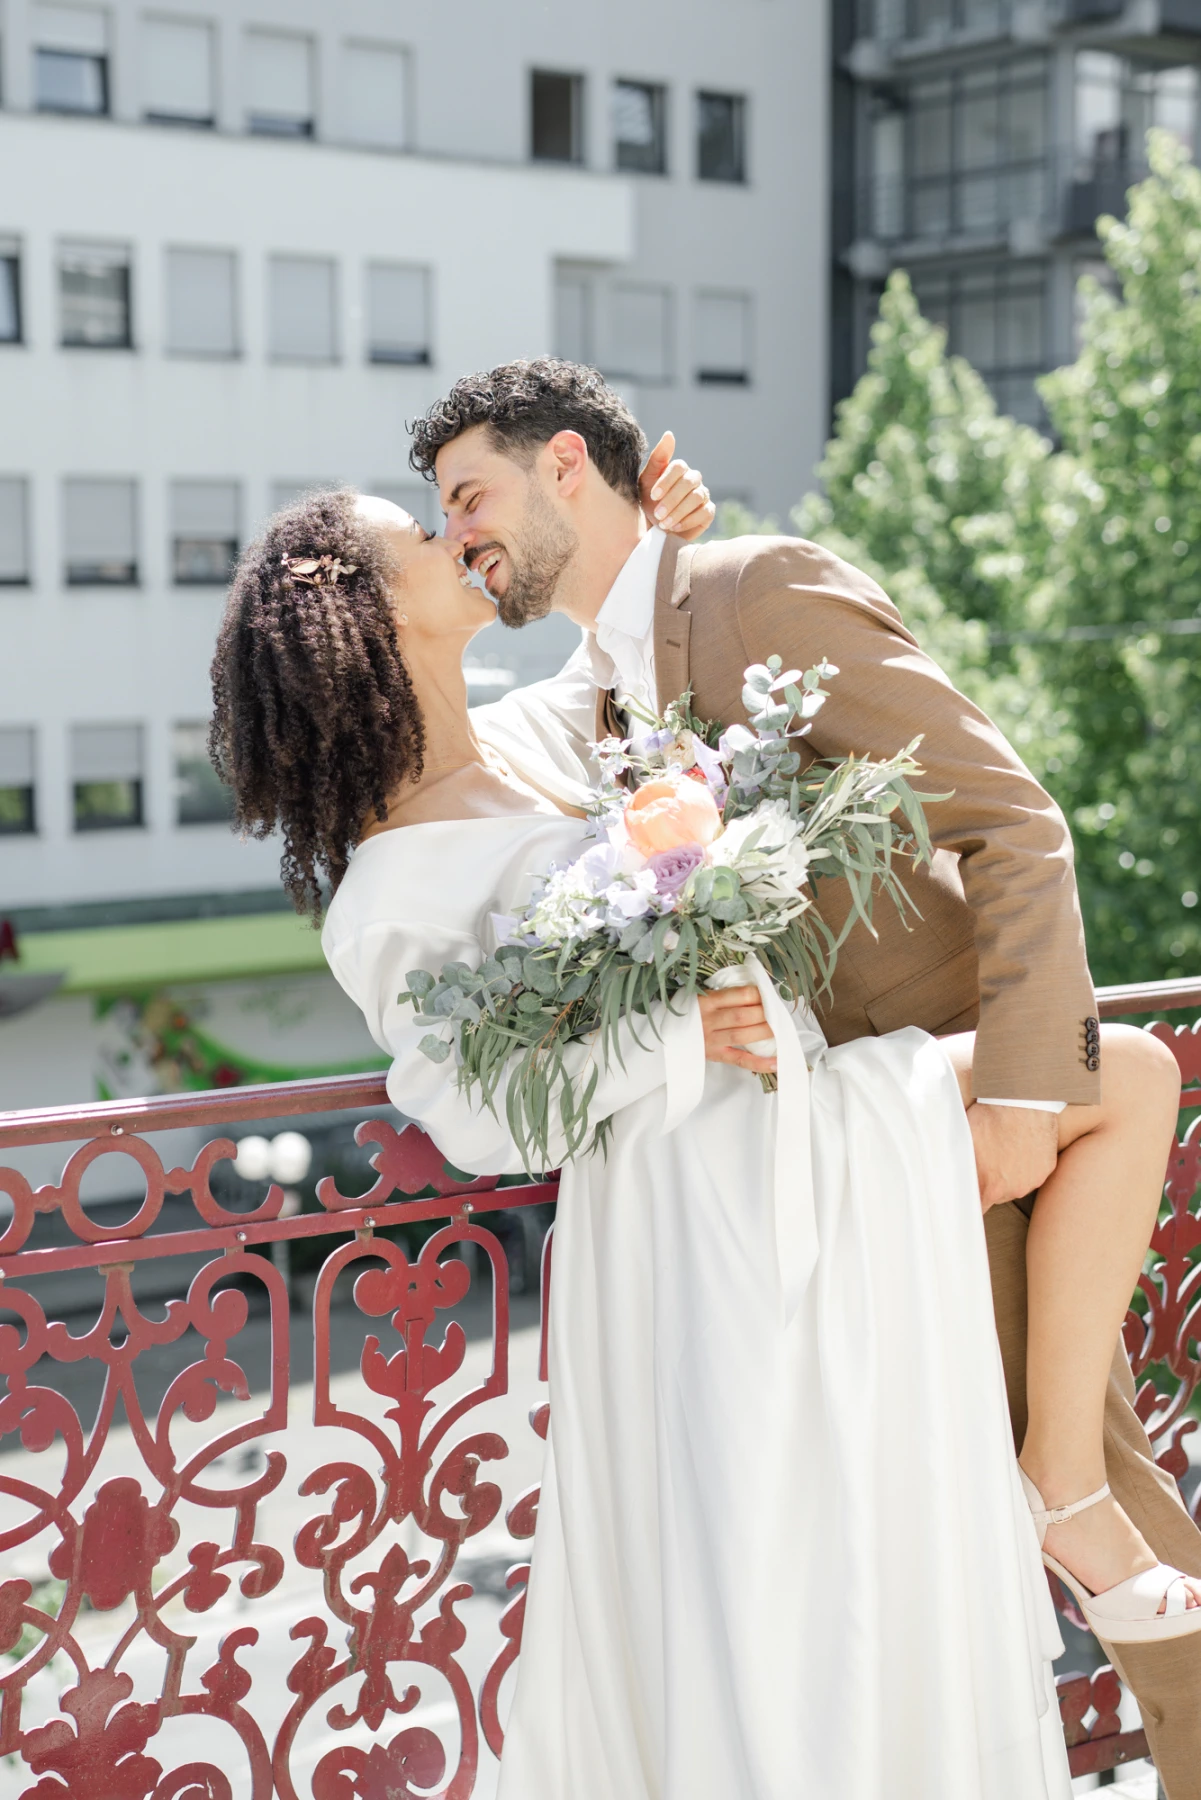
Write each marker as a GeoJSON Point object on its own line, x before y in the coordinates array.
{"type": "Point", "coordinates": [1059, 1515]}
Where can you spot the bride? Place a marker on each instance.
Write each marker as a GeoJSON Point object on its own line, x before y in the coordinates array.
{"type": "Point", "coordinates": [772, 1559]}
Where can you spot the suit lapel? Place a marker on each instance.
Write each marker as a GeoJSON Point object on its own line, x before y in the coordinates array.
{"type": "Point", "coordinates": [673, 622]}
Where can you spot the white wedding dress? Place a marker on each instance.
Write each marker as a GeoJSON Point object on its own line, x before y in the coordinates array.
{"type": "Point", "coordinates": [777, 1557]}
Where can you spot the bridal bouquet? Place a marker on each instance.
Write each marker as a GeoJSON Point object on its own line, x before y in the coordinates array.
{"type": "Point", "coordinates": [706, 846]}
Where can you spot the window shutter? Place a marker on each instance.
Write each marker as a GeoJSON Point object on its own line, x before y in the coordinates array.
{"type": "Point", "coordinates": [202, 302]}
{"type": "Point", "coordinates": [177, 69]}
{"type": "Point", "coordinates": [279, 75]}
{"type": "Point", "coordinates": [302, 308]}
{"type": "Point", "coordinates": [16, 755]}
{"type": "Point", "coordinates": [638, 332]}
{"type": "Point", "coordinates": [398, 313]}
{"type": "Point", "coordinates": [573, 318]}
{"type": "Point", "coordinates": [82, 29]}
{"type": "Point", "coordinates": [14, 528]}
{"type": "Point", "coordinates": [100, 521]}
{"type": "Point", "coordinates": [106, 752]}
{"type": "Point", "coordinates": [375, 87]}
{"type": "Point", "coordinates": [723, 351]}
{"type": "Point", "coordinates": [204, 509]}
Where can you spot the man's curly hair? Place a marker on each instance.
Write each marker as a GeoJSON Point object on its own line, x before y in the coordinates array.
{"type": "Point", "coordinates": [524, 404]}
{"type": "Point", "coordinates": [314, 717]}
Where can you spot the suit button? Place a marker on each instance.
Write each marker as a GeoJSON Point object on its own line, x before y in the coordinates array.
{"type": "Point", "coordinates": [1093, 1064]}
{"type": "Point", "coordinates": [1090, 1024]}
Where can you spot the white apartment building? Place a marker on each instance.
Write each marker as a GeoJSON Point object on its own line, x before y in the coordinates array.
{"type": "Point", "coordinates": [242, 242]}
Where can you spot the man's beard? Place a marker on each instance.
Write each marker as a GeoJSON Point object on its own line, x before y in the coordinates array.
{"type": "Point", "coordinates": [545, 547]}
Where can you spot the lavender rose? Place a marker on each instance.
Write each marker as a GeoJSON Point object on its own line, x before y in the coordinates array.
{"type": "Point", "coordinates": [671, 868]}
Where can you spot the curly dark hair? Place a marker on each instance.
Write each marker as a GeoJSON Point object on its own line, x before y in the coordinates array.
{"type": "Point", "coordinates": [524, 404]}
{"type": "Point", "coordinates": [314, 717]}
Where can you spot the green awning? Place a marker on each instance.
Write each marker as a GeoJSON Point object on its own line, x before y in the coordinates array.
{"type": "Point", "coordinates": [126, 959]}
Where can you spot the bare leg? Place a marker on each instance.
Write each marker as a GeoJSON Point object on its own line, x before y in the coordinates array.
{"type": "Point", "coordinates": [1092, 1222]}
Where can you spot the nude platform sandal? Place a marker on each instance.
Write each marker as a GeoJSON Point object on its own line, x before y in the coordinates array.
{"type": "Point", "coordinates": [1128, 1613]}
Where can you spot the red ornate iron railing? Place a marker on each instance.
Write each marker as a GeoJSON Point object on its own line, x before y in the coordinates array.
{"type": "Point", "coordinates": [352, 1660]}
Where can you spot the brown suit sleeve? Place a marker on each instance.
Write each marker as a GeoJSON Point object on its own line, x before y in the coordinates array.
{"type": "Point", "coordinates": [1014, 848]}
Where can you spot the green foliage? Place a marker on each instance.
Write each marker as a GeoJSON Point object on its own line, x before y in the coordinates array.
{"type": "Point", "coordinates": [984, 533]}
{"type": "Point", "coordinates": [1129, 415]}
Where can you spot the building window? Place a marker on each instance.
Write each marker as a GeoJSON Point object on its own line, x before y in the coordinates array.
{"type": "Point", "coordinates": [885, 211]}
{"type": "Point", "coordinates": [202, 309]}
{"type": "Point", "coordinates": [178, 85]}
{"type": "Point", "coordinates": [638, 332]}
{"type": "Point", "coordinates": [376, 95]}
{"type": "Point", "coordinates": [204, 532]}
{"type": "Point", "coordinates": [721, 137]}
{"type": "Point", "coordinates": [575, 324]}
{"type": "Point", "coordinates": [106, 777]}
{"type": "Point", "coordinates": [301, 309]}
{"type": "Point", "coordinates": [556, 117]}
{"type": "Point", "coordinates": [14, 531]}
{"type": "Point", "coordinates": [10, 292]}
{"type": "Point", "coordinates": [974, 155]}
{"type": "Point", "coordinates": [201, 797]}
{"type": "Point", "coordinates": [640, 127]}
{"type": "Point", "coordinates": [419, 499]}
{"type": "Point", "coordinates": [18, 817]}
{"type": "Point", "coordinates": [70, 59]}
{"type": "Point", "coordinates": [398, 313]}
{"type": "Point", "coordinates": [94, 297]}
{"type": "Point", "coordinates": [722, 324]}
{"type": "Point", "coordinates": [100, 516]}
{"type": "Point", "coordinates": [996, 317]}
{"type": "Point", "coordinates": [287, 493]}
{"type": "Point", "coordinates": [1119, 100]}
{"type": "Point", "coordinates": [936, 16]}
{"type": "Point", "coordinates": [280, 84]}
{"type": "Point", "coordinates": [622, 328]}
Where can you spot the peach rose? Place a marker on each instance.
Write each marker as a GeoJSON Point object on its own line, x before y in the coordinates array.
{"type": "Point", "coordinates": [664, 815]}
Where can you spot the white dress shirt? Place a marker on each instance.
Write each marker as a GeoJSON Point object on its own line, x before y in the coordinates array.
{"type": "Point", "coordinates": [620, 654]}
{"type": "Point", "coordinates": [624, 642]}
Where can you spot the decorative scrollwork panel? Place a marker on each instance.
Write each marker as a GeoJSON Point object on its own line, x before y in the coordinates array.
{"type": "Point", "coordinates": [281, 1556]}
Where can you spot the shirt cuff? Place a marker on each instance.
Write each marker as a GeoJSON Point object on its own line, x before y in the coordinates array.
{"type": "Point", "coordinates": [1051, 1106]}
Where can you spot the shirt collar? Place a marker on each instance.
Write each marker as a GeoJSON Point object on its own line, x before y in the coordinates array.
{"type": "Point", "coordinates": [629, 606]}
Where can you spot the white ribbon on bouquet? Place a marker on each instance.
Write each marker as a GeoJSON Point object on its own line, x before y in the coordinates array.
{"type": "Point", "coordinates": [795, 1205]}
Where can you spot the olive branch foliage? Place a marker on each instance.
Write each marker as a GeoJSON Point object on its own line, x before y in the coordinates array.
{"type": "Point", "coordinates": [536, 1021]}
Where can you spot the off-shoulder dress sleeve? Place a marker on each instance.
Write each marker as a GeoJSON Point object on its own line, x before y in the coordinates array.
{"type": "Point", "coordinates": [371, 962]}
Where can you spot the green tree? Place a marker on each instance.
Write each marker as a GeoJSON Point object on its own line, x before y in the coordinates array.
{"type": "Point", "coordinates": [1061, 587]}
{"type": "Point", "coordinates": [1125, 572]}
{"type": "Point", "coordinates": [946, 502]}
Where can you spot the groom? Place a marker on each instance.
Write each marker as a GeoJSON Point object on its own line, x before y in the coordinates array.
{"type": "Point", "coordinates": [537, 468]}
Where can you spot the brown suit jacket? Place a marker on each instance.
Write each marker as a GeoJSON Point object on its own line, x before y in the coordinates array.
{"type": "Point", "coordinates": [999, 945]}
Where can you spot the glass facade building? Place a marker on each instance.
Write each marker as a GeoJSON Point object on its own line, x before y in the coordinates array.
{"type": "Point", "coordinates": [976, 142]}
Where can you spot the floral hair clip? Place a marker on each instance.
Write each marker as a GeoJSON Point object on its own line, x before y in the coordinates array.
{"type": "Point", "coordinates": [316, 571]}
